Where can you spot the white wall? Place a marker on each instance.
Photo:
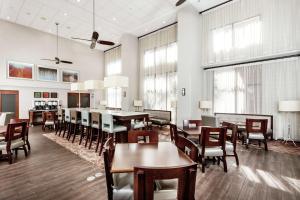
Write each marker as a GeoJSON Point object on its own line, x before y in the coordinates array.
{"type": "Point", "coordinates": [130, 68]}
{"type": "Point", "coordinates": [24, 44]}
{"type": "Point", "coordinates": [190, 73]}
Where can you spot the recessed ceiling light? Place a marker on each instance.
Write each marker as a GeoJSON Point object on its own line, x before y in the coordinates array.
{"type": "Point", "coordinates": [8, 17]}
{"type": "Point", "coordinates": [78, 1]}
{"type": "Point", "coordinates": [65, 14]}
{"type": "Point", "coordinates": [164, 22]}
{"type": "Point", "coordinates": [115, 19]}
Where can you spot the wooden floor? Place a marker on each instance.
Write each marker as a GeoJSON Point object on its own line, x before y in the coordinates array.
{"type": "Point", "coordinates": [52, 172]}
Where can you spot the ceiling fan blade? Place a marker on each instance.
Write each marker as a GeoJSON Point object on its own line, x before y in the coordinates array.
{"type": "Point", "coordinates": [106, 42]}
{"type": "Point", "coordinates": [48, 59]}
{"type": "Point", "coordinates": [66, 62]}
{"type": "Point", "coordinates": [180, 2]}
{"type": "Point", "coordinates": [74, 38]}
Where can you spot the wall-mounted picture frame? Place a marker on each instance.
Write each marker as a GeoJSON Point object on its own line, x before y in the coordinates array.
{"type": "Point", "coordinates": [69, 76]}
{"type": "Point", "coordinates": [20, 70]}
{"type": "Point", "coordinates": [47, 74]}
{"type": "Point", "coordinates": [37, 95]}
{"type": "Point", "coordinates": [53, 95]}
{"type": "Point", "coordinates": [46, 95]}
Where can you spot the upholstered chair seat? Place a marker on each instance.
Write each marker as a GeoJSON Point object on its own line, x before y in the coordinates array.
{"type": "Point", "coordinates": [212, 151]}
{"type": "Point", "coordinates": [165, 195]}
{"type": "Point", "coordinates": [14, 144]}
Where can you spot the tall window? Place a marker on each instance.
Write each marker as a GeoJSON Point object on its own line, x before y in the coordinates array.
{"type": "Point", "coordinates": [238, 90]}
{"type": "Point", "coordinates": [113, 66]}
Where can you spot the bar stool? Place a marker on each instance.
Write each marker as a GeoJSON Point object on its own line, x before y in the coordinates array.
{"type": "Point", "coordinates": [67, 121]}
{"type": "Point", "coordinates": [60, 121]}
{"type": "Point", "coordinates": [96, 126]}
{"type": "Point", "coordinates": [85, 126]}
{"type": "Point", "coordinates": [75, 123]}
{"type": "Point", "coordinates": [110, 128]}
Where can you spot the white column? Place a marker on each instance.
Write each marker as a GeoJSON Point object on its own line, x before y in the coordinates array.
{"type": "Point", "coordinates": [129, 54]}
{"type": "Point", "coordinates": [189, 64]}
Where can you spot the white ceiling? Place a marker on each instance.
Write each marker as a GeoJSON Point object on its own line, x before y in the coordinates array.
{"type": "Point", "coordinates": [113, 17]}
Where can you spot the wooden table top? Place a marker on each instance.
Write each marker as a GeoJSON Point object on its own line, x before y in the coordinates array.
{"type": "Point", "coordinates": [162, 154]}
{"type": "Point", "coordinates": [191, 131]}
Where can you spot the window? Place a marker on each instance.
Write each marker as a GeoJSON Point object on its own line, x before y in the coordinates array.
{"type": "Point", "coordinates": [113, 66]}
{"type": "Point", "coordinates": [238, 35]}
{"type": "Point", "coordinates": [238, 90]}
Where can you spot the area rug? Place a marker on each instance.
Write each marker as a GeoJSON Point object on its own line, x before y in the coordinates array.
{"type": "Point", "coordinates": [84, 153]}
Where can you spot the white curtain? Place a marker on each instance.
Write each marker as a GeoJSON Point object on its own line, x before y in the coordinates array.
{"type": "Point", "coordinates": [247, 29]}
{"type": "Point", "coordinates": [158, 55]}
{"type": "Point", "coordinates": [113, 66]}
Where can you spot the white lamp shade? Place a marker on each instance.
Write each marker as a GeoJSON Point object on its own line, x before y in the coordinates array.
{"type": "Point", "coordinates": [138, 103]}
{"type": "Point", "coordinates": [77, 87]}
{"type": "Point", "coordinates": [116, 81]}
{"type": "Point", "coordinates": [205, 104]}
{"type": "Point", "coordinates": [289, 106]}
{"type": "Point", "coordinates": [93, 85]}
{"type": "Point", "coordinates": [173, 104]}
{"type": "Point", "coordinates": [103, 103]}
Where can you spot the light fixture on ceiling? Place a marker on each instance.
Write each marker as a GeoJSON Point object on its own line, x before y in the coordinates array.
{"type": "Point", "coordinates": [8, 18]}
{"type": "Point", "coordinates": [164, 22]}
{"type": "Point", "coordinates": [78, 1]}
{"type": "Point", "coordinates": [65, 14]}
{"type": "Point", "coordinates": [115, 19]}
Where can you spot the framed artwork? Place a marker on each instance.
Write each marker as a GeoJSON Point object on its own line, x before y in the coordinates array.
{"type": "Point", "coordinates": [70, 76]}
{"type": "Point", "coordinates": [20, 70]}
{"type": "Point", "coordinates": [47, 74]}
{"type": "Point", "coordinates": [46, 95]}
{"type": "Point", "coordinates": [37, 95]}
{"type": "Point", "coordinates": [54, 95]}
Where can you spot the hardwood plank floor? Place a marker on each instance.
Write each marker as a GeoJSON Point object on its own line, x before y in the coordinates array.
{"type": "Point", "coordinates": [52, 172]}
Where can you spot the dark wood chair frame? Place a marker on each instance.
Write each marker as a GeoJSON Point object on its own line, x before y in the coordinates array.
{"type": "Point", "coordinates": [13, 134]}
{"type": "Point", "coordinates": [26, 132]}
{"type": "Point", "coordinates": [48, 115]}
{"type": "Point", "coordinates": [173, 133]}
{"type": "Point", "coordinates": [232, 138]}
{"type": "Point", "coordinates": [60, 121]}
{"type": "Point", "coordinates": [74, 127]}
{"type": "Point", "coordinates": [205, 141]}
{"type": "Point", "coordinates": [250, 128]}
{"type": "Point", "coordinates": [134, 136]}
{"type": "Point", "coordinates": [188, 147]}
{"type": "Point", "coordinates": [144, 178]}
{"type": "Point", "coordinates": [108, 155]}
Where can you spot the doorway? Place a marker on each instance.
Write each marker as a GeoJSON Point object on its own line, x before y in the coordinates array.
{"type": "Point", "coordinates": [9, 102]}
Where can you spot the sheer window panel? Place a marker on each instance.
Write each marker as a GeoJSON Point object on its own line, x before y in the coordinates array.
{"type": "Point", "coordinates": [114, 96]}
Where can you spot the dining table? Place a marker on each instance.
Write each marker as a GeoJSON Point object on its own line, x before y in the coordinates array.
{"type": "Point", "coordinates": [190, 131]}
{"type": "Point", "coordinates": [154, 155]}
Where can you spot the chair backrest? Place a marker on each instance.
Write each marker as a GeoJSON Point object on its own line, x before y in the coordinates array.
{"type": "Point", "coordinates": [85, 118]}
{"type": "Point", "coordinates": [208, 120]}
{"type": "Point", "coordinates": [5, 117]}
{"type": "Point", "coordinates": [48, 116]}
{"type": "Point", "coordinates": [233, 128]}
{"type": "Point", "coordinates": [67, 115]}
{"type": "Point", "coordinates": [256, 126]}
{"type": "Point", "coordinates": [192, 123]}
{"type": "Point", "coordinates": [188, 147]}
{"type": "Point", "coordinates": [109, 150]}
{"type": "Point", "coordinates": [12, 121]}
{"type": "Point", "coordinates": [60, 114]}
{"type": "Point", "coordinates": [135, 135]}
{"type": "Point", "coordinates": [207, 141]}
{"type": "Point", "coordinates": [173, 132]}
{"type": "Point", "coordinates": [74, 116]}
{"type": "Point", "coordinates": [15, 131]}
{"type": "Point", "coordinates": [96, 120]}
{"type": "Point", "coordinates": [108, 122]}
{"type": "Point", "coordinates": [144, 178]}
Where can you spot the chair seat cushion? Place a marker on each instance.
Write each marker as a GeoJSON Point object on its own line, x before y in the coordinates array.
{"type": "Point", "coordinates": [256, 136]}
{"type": "Point", "coordinates": [122, 180]}
{"type": "Point", "coordinates": [49, 122]}
{"type": "Point", "coordinates": [124, 193]}
{"type": "Point", "coordinates": [138, 125]}
{"type": "Point", "coordinates": [14, 144]}
{"type": "Point", "coordinates": [116, 129]}
{"type": "Point", "coordinates": [229, 148]}
{"type": "Point", "coordinates": [211, 151]}
{"type": "Point", "coordinates": [168, 184]}
{"type": "Point", "coordinates": [165, 195]}
{"type": "Point", "coordinates": [74, 121]}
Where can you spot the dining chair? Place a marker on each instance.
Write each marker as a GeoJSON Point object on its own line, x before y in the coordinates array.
{"type": "Point", "coordinates": [146, 136]}
{"type": "Point", "coordinates": [212, 146]}
{"type": "Point", "coordinates": [26, 132]}
{"type": "Point", "coordinates": [173, 132]}
{"type": "Point", "coordinates": [59, 121]}
{"type": "Point", "coordinates": [110, 128]}
{"type": "Point", "coordinates": [119, 185]}
{"type": "Point", "coordinates": [48, 120]}
{"type": "Point", "coordinates": [67, 121]}
{"type": "Point", "coordinates": [145, 177]}
{"type": "Point", "coordinates": [188, 147]}
{"type": "Point", "coordinates": [75, 124]}
{"type": "Point", "coordinates": [85, 127]}
{"type": "Point", "coordinates": [97, 127]}
{"type": "Point", "coordinates": [14, 140]}
{"type": "Point", "coordinates": [256, 130]}
{"type": "Point", "coordinates": [231, 137]}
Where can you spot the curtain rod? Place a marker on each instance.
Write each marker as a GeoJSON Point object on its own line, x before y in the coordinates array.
{"type": "Point", "coordinates": [254, 61]}
{"type": "Point", "coordinates": [157, 30]}
{"type": "Point", "coordinates": [112, 48]}
{"type": "Point", "coordinates": [215, 6]}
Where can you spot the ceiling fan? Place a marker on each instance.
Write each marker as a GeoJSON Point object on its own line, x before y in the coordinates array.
{"type": "Point", "coordinates": [180, 2]}
{"type": "Point", "coordinates": [56, 59]}
{"type": "Point", "coordinates": [95, 35]}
